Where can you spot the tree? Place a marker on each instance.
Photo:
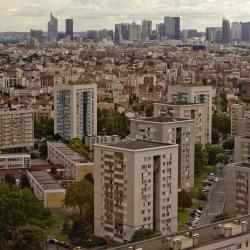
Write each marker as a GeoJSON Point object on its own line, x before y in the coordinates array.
{"type": "Point", "coordinates": [215, 136]}
{"type": "Point", "coordinates": [80, 194]}
{"type": "Point", "coordinates": [224, 102]}
{"type": "Point", "coordinates": [201, 158]}
{"type": "Point", "coordinates": [24, 181]}
{"type": "Point", "coordinates": [150, 111]}
{"type": "Point", "coordinates": [10, 179]}
{"type": "Point", "coordinates": [77, 145]}
{"type": "Point", "coordinates": [222, 123]}
{"type": "Point", "coordinates": [213, 152]}
{"type": "Point", "coordinates": [44, 128]}
{"type": "Point", "coordinates": [228, 144]}
{"type": "Point", "coordinates": [184, 200]}
{"type": "Point", "coordinates": [142, 233]}
{"type": "Point", "coordinates": [28, 237]}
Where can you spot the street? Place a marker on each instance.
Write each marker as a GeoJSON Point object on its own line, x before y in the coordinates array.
{"type": "Point", "coordinates": [222, 196]}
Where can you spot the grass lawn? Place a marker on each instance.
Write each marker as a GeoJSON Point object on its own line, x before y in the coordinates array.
{"type": "Point", "coordinates": [183, 217]}
{"type": "Point", "coordinates": [62, 237]}
{"type": "Point", "coordinates": [57, 222]}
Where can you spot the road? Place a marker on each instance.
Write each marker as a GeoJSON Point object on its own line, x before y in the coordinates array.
{"type": "Point", "coordinates": [222, 196]}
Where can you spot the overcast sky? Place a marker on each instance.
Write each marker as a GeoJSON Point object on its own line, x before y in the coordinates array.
{"type": "Point", "coordinates": [23, 15]}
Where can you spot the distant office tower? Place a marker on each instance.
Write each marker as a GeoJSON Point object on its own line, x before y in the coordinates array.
{"type": "Point", "coordinates": [236, 31]}
{"type": "Point", "coordinates": [184, 36]}
{"type": "Point", "coordinates": [172, 27]}
{"type": "Point", "coordinates": [75, 107]}
{"type": "Point", "coordinates": [70, 28]}
{"type": "Point", "coordinates": [37, 34]}
{"type": "Point", "coordinates": [194, 94]}
{"type": "Point", "coordinates": [134, 32]}
{"type": "Point", "coordinates": [121, 32]}
{"type": "Point", "coordinates": [111, 34]}
{"type": "Point", "coordinates": [246, 32]}
{"type": "Point", "coordinates": [196, 111]}
{"type": "Point", "coordinates": [135, 187]}
{"type": "Point", "coordinates": [52, 29]}
{"type": "Point", "coordinates": [170, 130]}
{"type": "Point", "coordinates": [102, 34]}
{"type": "Point", "coordinates": [214, 34]}
{"type": "Point", "coordinates": [17, 128]}
{"type": "Point", "coordinates": [92, 35]}
{"type": "Point", "coordinates": [226, 31]}
{"type": "Point", "coordinates": [146, 29]}
{"type": "Point", "coordinates": [160, 30]}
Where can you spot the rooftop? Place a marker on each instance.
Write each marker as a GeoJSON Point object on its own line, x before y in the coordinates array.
{"type": "Point", "coordinates": [137, 144]}
{"type": "Point", "coordinates": [178, 103]}
{"type": "Point", "coordinates": [67, 151]}
{"type": "Point", "coordinates": [45, 180]}
{"type": "Point", "coordinates": [162, 119]}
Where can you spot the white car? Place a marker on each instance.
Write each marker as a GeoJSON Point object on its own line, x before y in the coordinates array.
{"type": "Point", "coordinates": [216, 179]}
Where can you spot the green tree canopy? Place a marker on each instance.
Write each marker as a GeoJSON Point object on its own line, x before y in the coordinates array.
{"type": "Point", "coordinates": [142, 233]}
{"type": "Point", "coordinates": [10, 178]}
{"type": "Point", "coordinates": [222, 123]}
{"type": "Point", "coordinates": [228, 144]}
{"type": "Point", "coordinates": [28, 237]}
{"type": "Point", "coordinates": [184, 200]}
{"type": "Point", "coordinates": [201, 158]}
{"type": "Point", "coordinates": [213, 152]}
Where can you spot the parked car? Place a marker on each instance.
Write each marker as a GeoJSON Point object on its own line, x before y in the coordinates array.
{"type": "Point", "coordinates": [52, 241]}
{"type": "Point", "coordinates": [216, 179]}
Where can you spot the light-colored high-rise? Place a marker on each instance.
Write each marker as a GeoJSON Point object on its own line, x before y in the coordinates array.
{"type": "Point", "coordinates": [196, 111]}
{"type": "Point", "coordinates": [52, 29]}
{"type": "Point", "coordinates": [134, 32]}
{"type": "Point", "coordinates": [75, 107]}
{"type": "Point", "coordinates": [236, 31]}
{"type": "Point", "coordinates": [16, 128]}
{"type": "Point", "coordinates": [194, 94]}
{"type": "Point", "coordinates": [135, 187]}
{"type": "Point", "coordinates": [242, 149]}
{"type": "Point", "coordinates": [170, 130]}
{"type": "Point", "coordinates": [146, 29]}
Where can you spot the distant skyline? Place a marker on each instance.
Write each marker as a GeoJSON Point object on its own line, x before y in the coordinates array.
{"type": "Point", "coordinates": [16, 15]}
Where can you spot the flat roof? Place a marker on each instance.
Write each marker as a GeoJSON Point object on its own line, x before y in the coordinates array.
{"type": "Point", "coordinates": [46, 181]}
{"type": "Point", "coordinates": [137, 144]}
{"type": "Point", "coordinates": [162, 119]}
{"type": "Point", "coordinates": [15, 155]}
{"type": "Point", "coordinates": [179, 103]}
{"type": "Point", "coordinates": [69, 152]}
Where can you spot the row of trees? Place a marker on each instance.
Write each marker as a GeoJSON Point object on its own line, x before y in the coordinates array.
{"type": "Point", "coordinates": [112, 123]}
{"type": "Point", "coordinates": [208, 155]}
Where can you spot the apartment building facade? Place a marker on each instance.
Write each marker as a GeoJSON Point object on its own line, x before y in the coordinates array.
{"type": "Point", "coordinates": [242, 173]}
{"type": "Point", "coordinates": [75, 108]}
{"type": "Point", "coordinates": [76, 166]}
{"type": "Point", "coordinates": [16, 128]}
{"type": "Point", "coordinates": [171, 130]}
{"type": "Point", "coordinates": [195, 111]}
{"type": "Point", "coordinates": [15, 161]}
{"type": "Point", "coordinates": [242, 149]}
{"type": "Point", "coordinates": [195, 94]}
{"type": "Point", "coordinates": [135, 187]}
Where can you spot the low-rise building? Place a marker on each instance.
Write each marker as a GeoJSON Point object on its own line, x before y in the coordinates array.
{"type": "Point", "coordinates": [91, 140]}
{"type": "Point", "coordinates": [15, 161]}
{"type": "Point", "coordinates": [76, 166]}
{"type": "Point", "coordinates": [46, 189]}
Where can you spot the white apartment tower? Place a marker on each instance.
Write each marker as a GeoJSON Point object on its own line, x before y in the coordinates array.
{"type": "Point", "coordinates": [194, 94]}
{"type": "Point", "coordinates": [170, 130]}
{"type": "Point", "coordinates": [75, 107]}
{"type": "Point", "coordinates": [135, 187]}
{"type": "Point", "coordinates": [195, 111]}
